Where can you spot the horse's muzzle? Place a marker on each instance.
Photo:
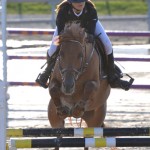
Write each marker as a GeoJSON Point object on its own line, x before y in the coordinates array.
{"type": "Point", "coordinates": [68, 84]}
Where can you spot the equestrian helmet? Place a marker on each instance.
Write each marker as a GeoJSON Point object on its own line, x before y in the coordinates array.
{"type": "Point", "coordinates": [77, 1]}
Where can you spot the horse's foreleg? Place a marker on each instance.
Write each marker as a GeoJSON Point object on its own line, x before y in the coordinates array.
{"type": "Point", "coordinates": [95, 118]}
{"type": "Point", "coordinates": [54, 119]}
{"type": "Point", "coordinates": [89, 91]}
{"type": "Point", "coordinates": [55, 92]}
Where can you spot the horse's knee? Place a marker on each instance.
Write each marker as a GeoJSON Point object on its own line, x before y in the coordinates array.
{"type": "Point", "coordinates": [89, 89]}
{"type": "Point", "coordinates": [55, 95]}
{"type": "Point", "coordinates": [90, 86]}
{"type": "Point", "coordinates": [54, 91]}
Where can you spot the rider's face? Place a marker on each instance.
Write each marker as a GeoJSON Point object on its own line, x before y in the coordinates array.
{"type": "Point", "coordinates": [79, 6]}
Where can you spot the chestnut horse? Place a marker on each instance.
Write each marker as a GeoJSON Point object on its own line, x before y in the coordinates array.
{"type": "Point", "coordinates": [76, 87]}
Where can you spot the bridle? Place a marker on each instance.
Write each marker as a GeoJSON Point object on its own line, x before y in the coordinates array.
{"type": "Point", "coordinates": [84, 64]}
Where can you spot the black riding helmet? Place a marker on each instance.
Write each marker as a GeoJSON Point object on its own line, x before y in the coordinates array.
{"type": "Point", "coordinates": [77, 1]}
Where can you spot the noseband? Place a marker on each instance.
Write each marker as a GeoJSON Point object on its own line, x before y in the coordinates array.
{"type": "Point", "coordinates": [84, 64]}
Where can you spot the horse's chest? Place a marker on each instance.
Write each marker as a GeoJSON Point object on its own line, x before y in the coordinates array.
{"type": "Point", "coordinates": [69, 101]}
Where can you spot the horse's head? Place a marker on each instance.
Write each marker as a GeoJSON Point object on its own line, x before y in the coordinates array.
{"type": "Point", "coordinates": [71, 56]}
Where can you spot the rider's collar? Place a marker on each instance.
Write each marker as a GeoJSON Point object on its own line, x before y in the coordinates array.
{"type": "Point", "coordinates": [77, 14]}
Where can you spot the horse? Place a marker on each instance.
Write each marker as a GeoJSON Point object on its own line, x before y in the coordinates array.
{"type": "Point", "coordinates": [76, 86]}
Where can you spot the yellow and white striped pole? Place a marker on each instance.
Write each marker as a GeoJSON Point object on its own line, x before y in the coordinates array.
{"type": "Point", "coordinates": [78, 132]}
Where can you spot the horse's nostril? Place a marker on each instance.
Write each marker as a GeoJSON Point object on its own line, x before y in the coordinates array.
{"type": "Point", "coordinates": [68, 87]}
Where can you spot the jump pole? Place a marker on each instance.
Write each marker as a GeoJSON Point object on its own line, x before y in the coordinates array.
{"type": "Point", "coordinates": [79, 142]}
{"type": "Point", "coordinates": [77, 132]}
{"type": "Point", "coordinates": [3, 84]}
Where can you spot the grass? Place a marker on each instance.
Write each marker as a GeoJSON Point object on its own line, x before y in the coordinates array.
{"type": "Point", "coordinates": [114, 7]}
{"type": "Point", "coordinates": [28, 8]}
{"type": "Point", "coordinates": [122, 7]}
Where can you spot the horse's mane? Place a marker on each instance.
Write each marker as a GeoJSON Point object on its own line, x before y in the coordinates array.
{"type": "Point", "coordinates": [73, 31]}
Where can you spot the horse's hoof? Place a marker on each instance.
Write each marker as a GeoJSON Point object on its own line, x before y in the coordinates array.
{"type": "Point", "coordinates": [63, 111]}
{"type": "Point", "coordinates": [77, 112]}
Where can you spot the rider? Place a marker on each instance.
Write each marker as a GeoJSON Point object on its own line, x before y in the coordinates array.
{"type": "Point", "coordinates": [85, 12]}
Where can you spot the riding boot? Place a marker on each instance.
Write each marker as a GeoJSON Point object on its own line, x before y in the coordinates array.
{"type": "Point", "coordinates": [43, 77]}
{"type": "Point", "coordinates": [114, 76]}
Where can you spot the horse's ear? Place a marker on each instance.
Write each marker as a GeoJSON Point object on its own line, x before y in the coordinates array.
{"type": "Point", "coordinates": [82, 31]}
{"type": "Point", "coordinates": [82, 34]}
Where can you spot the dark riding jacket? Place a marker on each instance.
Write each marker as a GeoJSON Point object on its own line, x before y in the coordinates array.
{"type": "Point", "coordinates": [88, 18]}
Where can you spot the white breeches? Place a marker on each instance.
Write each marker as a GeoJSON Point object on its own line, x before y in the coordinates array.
{"type": "Point", "coordinates": [53, 47]}
{"type": "Point", "coordinates": [99, 30]}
